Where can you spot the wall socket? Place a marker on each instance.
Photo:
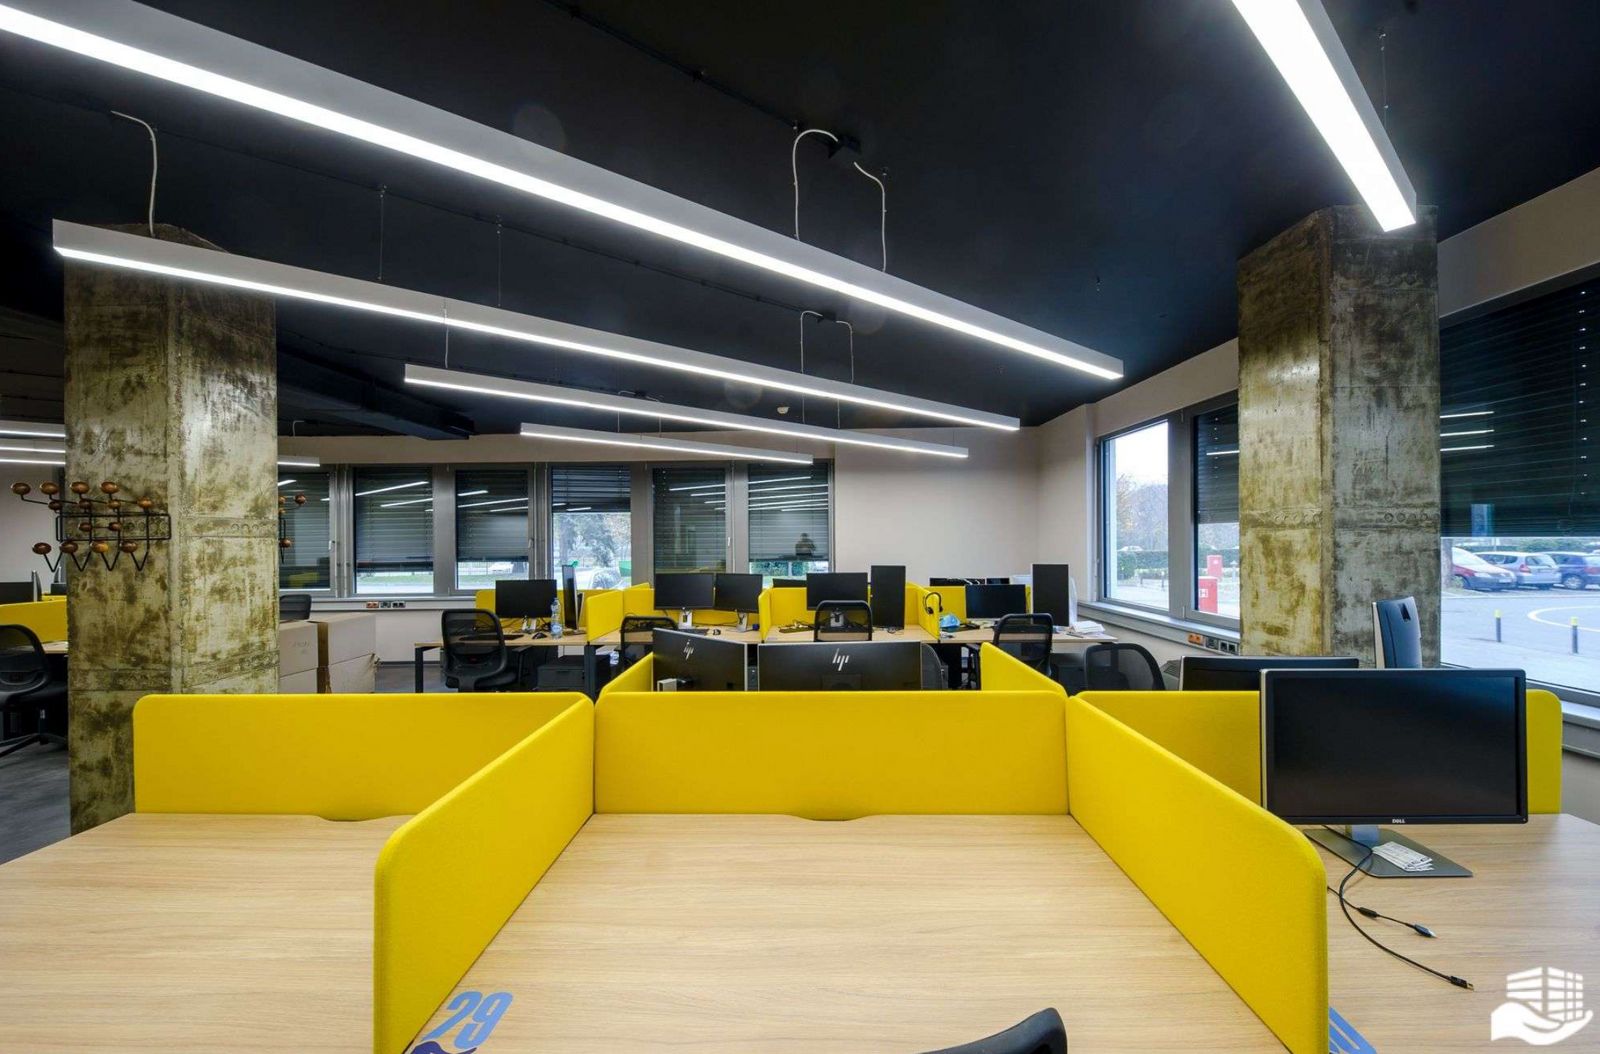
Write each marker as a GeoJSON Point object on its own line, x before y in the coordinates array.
{"type": "Point", "coordinates": [1226, 647]}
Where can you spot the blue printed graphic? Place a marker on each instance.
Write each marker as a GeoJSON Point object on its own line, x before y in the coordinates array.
{"type": "Point", "coordinates": [475, 1014]}
{"type": "Point", "coordinates": [1343, 1037]}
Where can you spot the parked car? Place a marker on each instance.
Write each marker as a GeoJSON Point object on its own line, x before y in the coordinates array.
{"type": "Point", "coordinates": [1532, 569]}
{"type": "Point", "coordinates": [1578, 570]}
{"type": "Point", "coordinates": [1470, 571]}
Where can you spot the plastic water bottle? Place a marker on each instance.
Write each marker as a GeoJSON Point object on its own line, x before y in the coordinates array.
{"type": "Point", "coordinates": [555, 618]}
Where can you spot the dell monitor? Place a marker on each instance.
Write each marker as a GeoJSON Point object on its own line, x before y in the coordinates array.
{"type": "Point", "coordinates": [1052, 593]}
{"type": "Point", "coordinates": [1239, 673]}
{"type": "Point", "coordinates": [740, 593]}
{"type": "Point", "coordinates": [1397, 634]}
{"type": "Point", "coordinates": [569, 597]}
{"type": "Point", "coordinates": [864, 666]}
{"type": "Point", "coordinates": [996, 601]}
{"type": "Point", "coordinates": [524, 598]}
{"type": "Point", "coordinates": [850, 585]}
{"type": "Point", "coordinates": [696, 663]}
{"type": "Point", "coordinates": [1365, 747]}
{"type": "Point", "coordinates": [684, 593]}
{"type": "Point", "coordinates": [889, 596]}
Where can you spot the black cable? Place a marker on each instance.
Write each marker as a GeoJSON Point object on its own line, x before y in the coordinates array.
{"type": "Point", "coordinates": [1371, 914]}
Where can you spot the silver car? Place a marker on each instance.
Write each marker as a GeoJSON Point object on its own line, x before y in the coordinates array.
{"type": "Point", "coordinates": [1532, 569]}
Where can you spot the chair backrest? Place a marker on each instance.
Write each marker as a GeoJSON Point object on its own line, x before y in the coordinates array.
{"type": "Point", "coordinates": [1027, 638]}
{"type": "Point", "coordinates": [1043, 1033]}
{"type": "Point", "coordinates": [22, 663]}
{"type": "Point", "coordinates": [294, 607]}
{"type": "Point", "coordinates": [474, 643]}
{"type": "Point", "coordinates": [935, 676]}
{"type": "Point", "coordinates": [843, 620]}
{"type": "Point", "coordinates": [638, 635]}
{"type": "Point", "coordinates": [1121, 667]}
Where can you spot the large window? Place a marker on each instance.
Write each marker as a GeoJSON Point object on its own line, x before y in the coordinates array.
{"type": "Point", "coordinates": [1520, 514]}
{"type": "Point", "coordinates": [305, 564]}
{"type": "Point", "coordinates": [691, 519]}
{"type": "Point", "coordinates": [394, 530]}
{"type": "Point", "coordinates": [591, 525]}
{"type": "Point", "coordinates": [1216, 512]}
{"type": "Point", "coordinates": [789, 517]}
{"type": "Point", "coordinates": [1134, 475]}
{"type": "Point", "coordinates": [491, 526]}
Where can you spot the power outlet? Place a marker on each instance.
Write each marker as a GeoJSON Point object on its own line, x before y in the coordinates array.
{"type": "Point", "coordinates": [1226, 647]}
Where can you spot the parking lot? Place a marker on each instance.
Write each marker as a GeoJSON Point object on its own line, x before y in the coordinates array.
{"type": "Point", "coordinates": [1535, 629]}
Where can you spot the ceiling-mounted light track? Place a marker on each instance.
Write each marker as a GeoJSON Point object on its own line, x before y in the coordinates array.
{"type": "Point", "coordinates": [555, 395]}
{"type": "Point", "coordinates": [33, 429]}
{"type": "Point", "coordinates": [674, 446]}
{"type": "Point", "coordinates": [135, 252]}
{"type": "Point", "coordinates": [172, 49]}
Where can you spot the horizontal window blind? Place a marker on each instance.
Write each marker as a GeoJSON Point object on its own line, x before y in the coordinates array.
{"type": "Point", "coordinates": [691, 519]}
{"type": "Point", "coordinates": [304, 565]}
{"type": "Point", "coordinates": [1216, 465]}
{"type": "Point", "coordinates": [789, 513]}
{"type": "Point", "coordinates": [590, 488]}
{"type": "Point", "coordinates": [492, 516]}
{"type": "Point", "coordinates": [393, 520]}
{"type": "Point", "coordinates": [1517, 427]}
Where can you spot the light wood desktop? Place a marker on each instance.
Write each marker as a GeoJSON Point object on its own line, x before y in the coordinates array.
{"type": "Point", "coordinates": [568, 639]}
{"type": "Point", "coordinates": [731, 633]}
{"type": "Point", "coordinates": [54, 647]}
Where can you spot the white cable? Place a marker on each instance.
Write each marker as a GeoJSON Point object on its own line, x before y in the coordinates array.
{"type": "Point", "coordinates": [883, 213]}
{"type": "Point", "coordinates": [794, 170]}
{"type": "Point", "coordinates": [155, 165]}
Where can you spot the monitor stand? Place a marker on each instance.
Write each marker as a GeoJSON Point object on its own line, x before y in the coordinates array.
{"type": "Point", "coordinates": [527, 625]}
{"type": "Point", "coordinates": [1352, 842]}
{"type": "Point", "coordinates": [685, 618]}
{"type": "Point", "coordinates": [744, 621]}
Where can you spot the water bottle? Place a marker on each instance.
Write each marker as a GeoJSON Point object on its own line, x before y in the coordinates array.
{"type": "Point", "coordinates": [555, 618]}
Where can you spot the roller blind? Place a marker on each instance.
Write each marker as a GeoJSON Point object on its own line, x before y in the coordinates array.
{"type": "Point", "coordinates": [304, 565]}
{"type": "Point", "coordinates": [1517, 428]}
{"type": "Point", "coordinates": [590, 488]}
{"type": "Point", "coordinates": [691, 519]}
{"type": "Point", "coordinates": [393, 520]}
{"type": "Point", "coordinates": [789, 513]}
{"type": "Point", "coordinates": [492, 516]}
{"type": "Point", "coordinates": [1216, 465]}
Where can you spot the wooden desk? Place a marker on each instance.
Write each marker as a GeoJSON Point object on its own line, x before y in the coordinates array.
{"type": "Point", "coordinates": [985, 635]}
{"type": "Point", "coordinates": [1531, 902]}
{"type": "Point", "coordinates": [733, 633]}
{"type": "Point", "coordinates": [735, 934]}
{"type": "Point", "coordinates": [54, 647]}
{"type": "Point", "coordinates": [879, 634]}
{"type": "Point", "coordinates": [205, 933]}
{"type": "Point", "coordinates": [570, 638]}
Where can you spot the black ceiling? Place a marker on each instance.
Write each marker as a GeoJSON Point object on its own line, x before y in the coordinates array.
{"type": "Point", "coordinates": [1091, 169]}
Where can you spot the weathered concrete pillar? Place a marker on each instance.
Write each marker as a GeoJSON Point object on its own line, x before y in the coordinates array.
{"type": "Point", "coordinates": [1338, 433]}
{"type": "Point", "coordinates": [171, 391]}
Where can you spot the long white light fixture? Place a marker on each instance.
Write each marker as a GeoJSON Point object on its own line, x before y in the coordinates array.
{"type": "Point", "coordinates": [298, 461]}
{"type": "Point", "coordinates": [131, 251]}
{"type": "Point", "coordinates": [1302, 43]}
{"type": "Point", "coordinates": [32, 452]}
{"type": "Point", "coordinates": [33, 429]}
{"type": "Point", "coordinates": [385, 490]}
{"type": "Point", "coordinates": [554, 395]}
{"type": "Point", "coordinates": [172, 49]}
{"type": "Point", "coordinates": [677, 446]}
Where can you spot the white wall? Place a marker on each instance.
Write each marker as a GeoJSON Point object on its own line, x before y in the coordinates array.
{"type": "Point", "coordinates": [22, 524]}
{"type": "Point", "coordinates": [1580, 786]}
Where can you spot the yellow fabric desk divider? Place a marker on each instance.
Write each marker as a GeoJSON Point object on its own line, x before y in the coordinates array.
{"type": "Point", "coordinates": [1220, 734]}
{"type": "Point", "coordinates": [1003, 672]}
{"type": "Point", "coordinates": [1245, 888]}
{"type": "Point", "coordinates": [46, 618]}
{"type": "Point", "coordinates": [785, 605]}
{"type": "Point", "coordinates": [640, 677]}
{"type": "Point", "coordinates": [602, 612]}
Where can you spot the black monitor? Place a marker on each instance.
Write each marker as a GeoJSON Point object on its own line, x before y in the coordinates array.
{"type": "Point", "coordinates": [524, 598]}
{"type": "Point", "coordinates": [861, 666]}
{"type": "Point", "coordinates": [1364, 747]}
{"type": "Point", "coordinates": [686, 592]}
{"type": "Point", "coordinates": [1397, 633]}
{"type": "Point", "coordinates": [699, 663]}
{"type": "Point", "coordinates": [1240, 673]}
{"type": "Point", "coordinates": [16, 592]}
{"type": "Point", "coordinates": [1052, 592]}
{"type": "Point", "coordinates": [838, 585]}
{"type": "Point", "coordinates": [569, 597]}
{"type": "Point", "coordinates": [996, 601]}
{"type": "Point", "coordinates": [788, 583]}
{"type": "Point", "coordinates": [889, 596]}
{"type": "Point", "coordinates": [935, 583]}
{"type": "Point", "coordinates": [741, 593]}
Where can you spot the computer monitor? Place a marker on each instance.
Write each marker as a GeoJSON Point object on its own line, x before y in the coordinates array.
{"type": "Point", "coordinates": [1241, 673]}
{"type": "Point", "coordinates": [686, 593]}
{"type": "Point", "coordinates": [569, 597]}
{"type": "Point", "coordinates": [863, 666]}
{"type": "Point", "coordinates": [1052, 593]}
{"type": "Point", "coordinates": [996, 601]}
{"type": "Point", "coordinates": [935, 583]}
{"type": "Point", "coordinates": [839, 585]}
{"type": "Point", "coordinates": [741, 593]}
{"type": "Point", "coordinates": [1397, 633]}
{"type": "Point", "coordinates": [524, 598]}
{"type": "Point", "coordinates": [16, 592]}
{"type": "Point", "coordinates": [1364, 747]}
{"type": "Point", "coordinates": [788, 583]}
{"type": "Point", "coordinates": [698, 663]}
{"type": "Point", "coordinates": [889, 596]}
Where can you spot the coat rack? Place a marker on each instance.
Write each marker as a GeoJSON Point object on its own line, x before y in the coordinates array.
{"type": "Point", "coordinates": [107, 527]}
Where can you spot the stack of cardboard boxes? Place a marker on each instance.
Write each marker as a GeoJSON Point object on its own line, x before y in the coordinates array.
{"type": "Point", "coordinates": [297, 657]}
{"type": "Point", "coordinates": [347, 652]}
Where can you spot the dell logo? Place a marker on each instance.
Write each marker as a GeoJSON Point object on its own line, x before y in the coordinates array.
{"type": "Point", "coordinates": [840, 660]}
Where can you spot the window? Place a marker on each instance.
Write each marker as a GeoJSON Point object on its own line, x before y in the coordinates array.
{"type": "Point", "coordinates": [1133, 474]}
{"type": "Point", "coordinates": [790, 511]}
{"type": "Point", "coordinates": [394, 530]}
{"type": "Point", "coordinates": [591, 524]}
{"type": "Point", "coordinates": [691, 519]}
{"type": "Point", "coordinates": [1216, 512]}
{"type": "Point", "coordinates": [304, 565]}
{"type": "Point", "coordinates": [1518, 440]}
{"type": "Point", "coordinates": [491, 526]}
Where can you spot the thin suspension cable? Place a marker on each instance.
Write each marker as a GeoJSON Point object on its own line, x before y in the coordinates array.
{"type": "Point", "coordinates": [383, 194]}
{"type": "Point", "coordinates": [883, 214]}
{"type": "Point", "coordinates": [155, 165]}
{"type": "Point", "coordinates": [1383, 61]}
{"type": "Point", "coordinates": [794, 169]}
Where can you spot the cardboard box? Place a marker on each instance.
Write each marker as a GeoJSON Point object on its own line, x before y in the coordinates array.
{"type": "Point", "coordinates": [344, 636]}
{"type": "Point", "coordinates": [297, 648]}
{"type": "Point", "coordinates": [302, 683]}
{"type": "Point", "coordinates": [353, 675]}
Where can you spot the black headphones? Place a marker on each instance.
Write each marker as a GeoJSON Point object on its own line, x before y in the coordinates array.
{"type": "Point", "coordinates": [928, 606]}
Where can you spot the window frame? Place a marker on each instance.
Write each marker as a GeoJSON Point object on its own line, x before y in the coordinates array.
{"type": "Point", "coordinates": [332, 588]}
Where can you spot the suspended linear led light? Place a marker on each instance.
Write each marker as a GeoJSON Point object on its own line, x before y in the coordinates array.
{"type": "Point", "coordinates": [1302, 43]}
{"type": "Point", "coordinates": [138, 253]}
{"type": "Point", "coordinates": [677, 446]}
{"type": "Point", "coordinates": [385, 490]}
{"type": "Point", "coordinates": [299, 461]}
{"type": "Point", "coordinates": [14, 446]}
{"type": "Point", "coordinates": [33, 429]}
{"type": "Point", "coordinates": [172, 49]}
{"type": "Point", "coordinates": [456, 380]}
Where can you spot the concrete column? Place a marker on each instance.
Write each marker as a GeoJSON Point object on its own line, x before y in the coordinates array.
{"type": "Point", "coordinates": [1338, 433]}
{"type": "Point", "coordinates": [171, 391]}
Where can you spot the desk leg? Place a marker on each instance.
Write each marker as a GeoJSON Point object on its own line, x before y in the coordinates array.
{"type": "Point", "coordinates": [417, 662]}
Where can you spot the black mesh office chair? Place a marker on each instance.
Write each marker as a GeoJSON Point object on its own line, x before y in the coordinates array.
{"type": "Point", "coordinates": [26, 687]}
{"type": "Point", "coordinates": [1043, 1033]}
{"type": "Point", "coordinates": [637, 635]}
{"type": "Point", "coordinates": [935, 677]}
{"type": "Point", "coordinates": [1027, 638]}
{"type": "Point", "coordinates": [294, 607]}
{"type": "Point", "coordinates": [1121, 667]}
{"type": "Point", "coordinates": [476, 658]}
{"type": "Point", "coordinates": [841, 620]}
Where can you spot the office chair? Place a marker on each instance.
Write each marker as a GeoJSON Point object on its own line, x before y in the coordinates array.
{"type": "Point", "coordinates": [476, 658]}
{"type": "Point", "coordinates": [25, 685]}
{"type": "Point", "coordinates": [1027, 639]}
{"type": "Point", "coordinates": [1043, 1033]}
{"type": "Point", "coordinates": [294, 607]}
{"type": "Point", "coordinates": [839, 620]}
{"type": "Point", "coordinates": [637, 636]}
{"type": "Point", "coordinates": [935, 676]}
{"type": "Point", "coordinates": [1121, 667]}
